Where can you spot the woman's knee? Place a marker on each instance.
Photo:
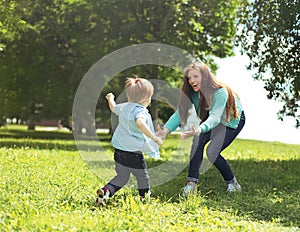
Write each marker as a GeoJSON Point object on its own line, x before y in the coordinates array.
{"type": "Point", "coordinates": [212, 153]}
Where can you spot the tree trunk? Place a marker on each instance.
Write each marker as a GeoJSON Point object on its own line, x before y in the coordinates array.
{"type": "Point", "coordinates": [31, 124]}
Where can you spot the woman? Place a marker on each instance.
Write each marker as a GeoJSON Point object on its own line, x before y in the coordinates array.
{"type": "Point", "coordinates": [221, 120]}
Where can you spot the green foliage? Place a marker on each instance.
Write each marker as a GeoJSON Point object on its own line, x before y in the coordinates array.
{"type": "Point", "coordinates": [11, 24]}
{"type": "Point", "coordinates": [46, 186]}
{"type": "Point", "coordinates": [42, 67]}
{"type": "Point", "coordinates": [270, 37]}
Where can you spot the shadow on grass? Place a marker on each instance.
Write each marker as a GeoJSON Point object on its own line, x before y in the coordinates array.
{"type": "Point", "coordinates": [18, 134]}
{"type": "Point", "coordinates": [51, 140]}
{"type": "Point", "coordinates": [53, 145]}
{"type": "Point", "coordinates": [57, 135]}
{"type": "Point", "coordinates": [270, 192]}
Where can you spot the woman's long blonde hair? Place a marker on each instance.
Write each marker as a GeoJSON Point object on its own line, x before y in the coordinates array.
{"type": "Point", "coordinates": [209, 85]}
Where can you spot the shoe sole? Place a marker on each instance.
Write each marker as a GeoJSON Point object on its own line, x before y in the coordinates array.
{"type": "Point", "coordinates": [235, 190]}
{"type": "Point", "coordinates": [100, 199]}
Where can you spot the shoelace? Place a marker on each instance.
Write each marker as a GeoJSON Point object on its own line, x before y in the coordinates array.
{"type": "Point", "coordinates": [187, 189]}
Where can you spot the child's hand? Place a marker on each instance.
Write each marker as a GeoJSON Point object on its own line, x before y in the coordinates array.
{"type": "Point", "coordinates": [161, 133]}
{"type": "Point", "coordinates": [110, 96]}
{"type": "Point", "coordinates": [158, 140]}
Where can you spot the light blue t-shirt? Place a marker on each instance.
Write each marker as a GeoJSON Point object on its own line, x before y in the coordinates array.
{"type": "Point", "coordinates": [127, 136]}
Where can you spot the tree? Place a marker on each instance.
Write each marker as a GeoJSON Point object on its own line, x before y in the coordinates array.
{"type": "Point", "coordinates": [41, 68]}
{"type": "Point", "coordinates": [270, 36]}
{"type": "Point", "coordinates": [204, 28]}
{"type": "Point", "coordinates": [11, 25]}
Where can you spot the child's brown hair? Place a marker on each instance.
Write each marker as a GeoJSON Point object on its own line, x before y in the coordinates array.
{"type": "Point", "coordinates": [138, 89]}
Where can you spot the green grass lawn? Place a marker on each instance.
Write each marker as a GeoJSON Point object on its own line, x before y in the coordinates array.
{"type": "Point", "coordinates": [47, 186]}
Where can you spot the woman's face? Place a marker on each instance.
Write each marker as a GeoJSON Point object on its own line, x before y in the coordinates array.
{"type": "Point", "coordinates": [195, 79]}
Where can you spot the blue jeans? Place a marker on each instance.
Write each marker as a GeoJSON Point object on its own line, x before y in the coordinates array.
{"type": "Point", "coordinates": [125, 163]}
{"type": "Point", "coordinates": [220, 137]}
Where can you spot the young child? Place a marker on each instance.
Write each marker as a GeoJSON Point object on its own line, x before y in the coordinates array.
{"type": "Point", "coordinates": [133, 136]}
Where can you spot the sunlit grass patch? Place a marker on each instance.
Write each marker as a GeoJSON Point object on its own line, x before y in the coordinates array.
{"type": "Point", "coordinates": [47, 186]}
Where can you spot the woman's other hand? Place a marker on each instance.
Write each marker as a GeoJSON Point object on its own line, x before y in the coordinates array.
{"type": "Point", "coordinates": [189, 133]}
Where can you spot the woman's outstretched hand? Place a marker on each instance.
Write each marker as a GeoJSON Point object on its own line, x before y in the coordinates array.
{"type": "Point", "coordinates": [189, 133]}
{"type": "Point", "coordinates": [162, 133]}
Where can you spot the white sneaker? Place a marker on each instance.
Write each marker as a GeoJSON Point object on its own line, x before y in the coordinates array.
{"type": "Point", "coordinates": [234, 187]}
{"type": "Point", "coordinates": [103, 197]}
{"type": "Point", "coordinates": [189, 189]}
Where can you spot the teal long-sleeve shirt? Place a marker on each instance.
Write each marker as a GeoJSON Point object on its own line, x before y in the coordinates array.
{"type": "Point", "coordinates": [217, 112]}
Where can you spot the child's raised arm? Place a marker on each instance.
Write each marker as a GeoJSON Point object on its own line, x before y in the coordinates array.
{"type": "Point", "coordinates": [111, 101]}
